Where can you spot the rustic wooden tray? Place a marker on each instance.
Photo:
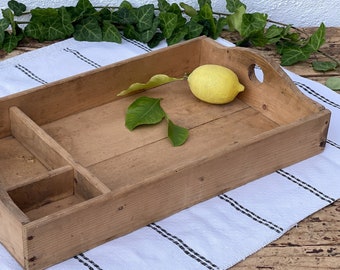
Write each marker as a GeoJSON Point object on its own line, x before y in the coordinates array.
{"type": "Point", "coordinates": [72, 176]}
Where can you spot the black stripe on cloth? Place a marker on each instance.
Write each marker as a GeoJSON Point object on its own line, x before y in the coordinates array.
{"type": "Point", "coordinates": [91, 265]}
{"type": "Point", "coordinates": [306, 186]}
{"type": "Point", "coordinates": [310, 91]}
{"type": "Point", "coordinates": [251, 214]}
{"type": "Point", "coordinates": [138, 44]}
{"type": "Point", "coordinates": [183, 246]}
{"type": "Point", "coordinates": [30, 74]}
{"type": "Point", "coordinates": [334, 144]}
{"type": "Point", "coordinates": [82, 57]}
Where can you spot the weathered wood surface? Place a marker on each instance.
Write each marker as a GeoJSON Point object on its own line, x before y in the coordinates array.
{"type": "Point", "coordinates": [315, 242]}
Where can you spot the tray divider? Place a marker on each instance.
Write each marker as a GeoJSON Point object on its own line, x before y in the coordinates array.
{"type": "Point", "coordinates": [49, 152]}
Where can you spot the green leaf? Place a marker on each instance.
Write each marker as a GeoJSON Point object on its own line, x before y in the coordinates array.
{"type": "Point", "coordinates": [130, 32]}
{"type": "Point", "coordinates": [18, 8]}
{"type": "Point", "coordinates": [88, 29]}
{"type": "Point", "coordinates": [274, 33]}
{"type": "Point", "coordinates": [50, 24]}
{"type": "Point", "coordinates": [194, 29]}
{"type": "Point", "coordinates": [235, 19]}
{"type": "Point", "coordinates": [253, 23]}
{"type": "Point", "coordinates": [145, 15]}
{"type": "Point", "coordinates": [178, 36]}
{"type": "Point", "coordinates": [324, 66]}
{"type": "Point", "coordinates": [85, 7]}
{"type": "Point", "coordinates": [144, 110]}
{"type": "Point", "coordinates": [333, 83]}
{"type": "Point", "coordinates": [11, 41]}
{"type": "Point", "coordinates": [317, 39]}
{"type": "Point", "coordinates": [147, 35]}
{"type": "Point", "coordinates": [188, 10]}
{"type": "Point", "coordinates": [44, 15]}
{"type": "Point", "coordinates": [293, 55]}
{"type": "Point", "coordinates": [163, 5]}
{"type": "Point", "coordinates": [4, 23]}
{"type": "Point", "coordinates": [126, 4]}
{"type": "Point", "coordinates": [66, 23]}
{"type": "Point", "coordinates": [125, 16]}
{"type": "Point", "coordinates": [156, 39]}
{"type": "Point", "coordinates": [221, 22]}
{"type": "Point", "coordinates": [206, 14]}
{"type": "Point", "coordinates": [9, 16]}
{"type": "Point", "coordinates": [36, 31]}
{"type": "Point", "coordinates": [234, 5]}
{"type": "Point", "coordinates": [168, 23]}
{"type": "Point", "coordinates": [177, 134]}
{"type": "Point", "coordinates": [111, 33]}
{"type": "Point", "coordinates": [154, 81]}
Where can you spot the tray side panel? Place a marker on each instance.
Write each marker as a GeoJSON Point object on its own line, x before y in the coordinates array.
{"type": "Point", "coordinates": [12, 220]}
{"type": "Point", "coordinates": [68, 96]}
{"type": "Point", "coordinates": [276, 96]}
{"type": "Point", "coordinates": [127, 209]}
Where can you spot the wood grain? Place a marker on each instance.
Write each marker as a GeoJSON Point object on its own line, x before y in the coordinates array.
{"type": "Point", "coordinates": [313, 243]}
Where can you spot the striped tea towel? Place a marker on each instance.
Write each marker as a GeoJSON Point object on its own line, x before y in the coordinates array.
{"type": "Point", "coordinates": [217, 233]}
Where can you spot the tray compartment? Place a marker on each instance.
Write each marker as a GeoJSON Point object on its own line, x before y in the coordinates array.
{"type": "Point", "coordinates": [91, 170]}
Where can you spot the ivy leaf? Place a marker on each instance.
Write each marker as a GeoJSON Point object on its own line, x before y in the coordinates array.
{"type": "Point", "coordinates": [143, 111]}
{"type": "Point", "coordinates": [292, 55]}
{"type": "Point", "coordinates": [4, 23]}
{"type": "Point", "coordinates": [88, 29]}
{"type": "Point", "coordinates": [317, 39]}
{"type": "Point", "coordinates": [324, 66]}
{"type": "Point", "coordinates": [252, 23]}
{"type": "Point", "coordinates": [85, 7]}
{"type": "Point", "coordinates": [18, 8]}
{"type": "Point", "coordinates": [333, 83]}
{"type": "Point", "coordinates": [111, 33]}
{"type": "Point", "coordinates": [178, 36]}
{"type": "Point", "coordinates": [221, 22]}
{"type": "Point", "coordinates": [273, 34]}
{"type": "Point", "coordinates": [177, 134]}
{"type": "Point", "coordinates": [154, 81]}
{"type": "Point", "coordinates": [147, 35]}
{"type": "Point", "coordinates": [168, 23]}
{"type": "Point", "coordinates": [156, 39]}
{"type": "Point", "coordinates": [188, 10]}
{"type": "Point", "coordinates": [9, 16]}
{"type": "Point", "coordinates": [66, 23]}
{"type": "Point", "coordinates": [144, 16]}
{"type": "Point", "coordinates": [234, 5]}
{"type": "Point", "coordinates": [36, 31]}
{"type": "Point", "coordinates": [235, 19]}
{"type": "Point", "coordinates": [206, 14]}
{"type": "Point", "coordinates": [125, 16]}
{"type": "Point", "coordinates": [163, 5]}
{"type": "Point", "coordinates": [11, 41]}
{"type": "Point", "coordinates": [130, 32]}
{"type": "Point", "coordinates": [194, 29]}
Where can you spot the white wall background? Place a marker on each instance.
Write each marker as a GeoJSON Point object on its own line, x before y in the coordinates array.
{"type": "Point", "coordinates": [300, 13]}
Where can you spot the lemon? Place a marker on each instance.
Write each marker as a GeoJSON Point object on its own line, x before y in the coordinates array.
{"type": "Point", "coordinates": [214, 84]}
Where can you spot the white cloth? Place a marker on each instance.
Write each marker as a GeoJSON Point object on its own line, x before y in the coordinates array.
{"type": "Point", "coordinates": [217, 233]}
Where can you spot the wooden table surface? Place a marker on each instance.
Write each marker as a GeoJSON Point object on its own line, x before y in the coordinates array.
{"type": "Point", "coordinates": [314, 243]}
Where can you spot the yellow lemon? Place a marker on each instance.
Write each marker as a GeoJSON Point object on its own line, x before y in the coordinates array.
{"type": "Point", "coordinates": [214, 84]}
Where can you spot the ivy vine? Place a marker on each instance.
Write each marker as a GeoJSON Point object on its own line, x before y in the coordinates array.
{"type": "Point", "coordinates": [151, 24]}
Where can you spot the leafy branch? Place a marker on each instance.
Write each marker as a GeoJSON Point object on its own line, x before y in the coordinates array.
{"type": "Point", "coordinates": [149, 24]}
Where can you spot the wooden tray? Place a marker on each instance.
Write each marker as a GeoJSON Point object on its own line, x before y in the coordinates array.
{"type": "Point", "coordinates": [73, 176]}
